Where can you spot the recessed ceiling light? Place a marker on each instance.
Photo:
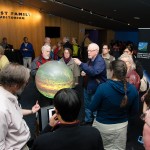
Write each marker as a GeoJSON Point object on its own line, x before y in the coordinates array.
{"type": "Point", "coordinates": [128, 24]}
{"type": "Point", "coordinates": [44, 1]}
{"type": "Point", "coordinates": [137, 18]}
{"type": "Point", "coordinates": [144, 28]}
{"type": "Point", "coordinates": [20, 2]}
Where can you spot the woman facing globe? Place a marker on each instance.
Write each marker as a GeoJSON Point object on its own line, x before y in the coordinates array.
{"type": "Point", "coordinates": [68, 60]}
{"type": "Point", "coordinates": [53, 76]}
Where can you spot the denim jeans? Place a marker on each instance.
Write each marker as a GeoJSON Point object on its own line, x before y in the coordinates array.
{"type": "Point", "coordinates": [87, 100]}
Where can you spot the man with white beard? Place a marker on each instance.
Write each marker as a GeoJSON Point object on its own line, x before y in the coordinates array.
{"type": "Point", "coordinates": [43, 58]}
{"type": "Point", "coordinates": [14, 130]}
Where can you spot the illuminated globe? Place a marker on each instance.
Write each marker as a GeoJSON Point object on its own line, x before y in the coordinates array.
{"type": "Point", "coordinates": [53, 76]}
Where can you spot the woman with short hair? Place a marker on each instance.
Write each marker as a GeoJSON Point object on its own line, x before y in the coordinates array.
{"type": "Point", "coordinates": [132, 76]}
{"type": "Point", "coordinates": [68, 60]}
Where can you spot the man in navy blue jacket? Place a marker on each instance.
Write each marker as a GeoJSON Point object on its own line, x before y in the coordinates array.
{"type": "Point", "coordinates": [94, 73]}
{"type": "Point", "coordinates": [27, 52]}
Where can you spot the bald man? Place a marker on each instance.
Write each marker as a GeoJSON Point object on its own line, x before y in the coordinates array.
{"type": "Point", "coordinates": [94, 73]}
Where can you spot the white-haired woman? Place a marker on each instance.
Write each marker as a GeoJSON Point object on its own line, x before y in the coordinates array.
{"type": "Point", "coordinates": [132, 76]}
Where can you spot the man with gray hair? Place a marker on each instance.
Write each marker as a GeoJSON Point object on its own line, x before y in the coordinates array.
{"type": "Point", "coordinates": [94, 73]}
{"type": "Point", "coordinates": [14, 130]}
{"type": "Point", "coordinates": [47, 41]}
{"type": "Point", "coordinates": [43, 58]}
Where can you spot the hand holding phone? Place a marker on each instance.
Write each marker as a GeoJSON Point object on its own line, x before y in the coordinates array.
{"type": "Point", "coordinates": [53, 120]}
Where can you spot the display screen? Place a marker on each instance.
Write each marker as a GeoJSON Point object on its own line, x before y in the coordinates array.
{"type": "Point", "coordinates": [52, 32]}
{"type": "Point", "coordinates": [51, 112]}
{"type": "Point", "coordinates": [142, 46]}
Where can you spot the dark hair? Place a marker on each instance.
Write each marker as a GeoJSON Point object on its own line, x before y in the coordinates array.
{"type": "Point", "coordinates": [106, 45]}
{"type": "Point", "coordinates": [69, 50]}
{"type": "Point", "coordinates": [68, 104]}
{"type": "Point", "coordinates": [147, 98]}
{"type": "Point", "coordinates": [14, 74]}
{"type": "Point", "coordinates": [25, 38]}
{"type": "Point", "coordinates": [130, 48]}
{"type": "Point", "coordinates": [119, 71]}
{"type": "Point", "coordinates": [4, 38]}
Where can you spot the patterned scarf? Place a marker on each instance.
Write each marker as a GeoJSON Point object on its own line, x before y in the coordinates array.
{"type": "Point", "coordinates": [66, 60]}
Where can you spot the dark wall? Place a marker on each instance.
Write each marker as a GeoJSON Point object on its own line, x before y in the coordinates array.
{"type": "Point", "coordinates": [97, 36]}
{"type": "Point", "coordinates": [132, 36]}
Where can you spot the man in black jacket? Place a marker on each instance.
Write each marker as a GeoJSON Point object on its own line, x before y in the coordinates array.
{"type": "Point", "coordinates": [64, 131]}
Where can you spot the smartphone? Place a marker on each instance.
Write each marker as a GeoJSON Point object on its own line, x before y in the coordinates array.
{"type": "Point", "coordinates": [51, 112]}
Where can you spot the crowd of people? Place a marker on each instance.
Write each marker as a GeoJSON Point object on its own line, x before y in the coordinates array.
{"type": "Point", "coordinates": [111, 83]}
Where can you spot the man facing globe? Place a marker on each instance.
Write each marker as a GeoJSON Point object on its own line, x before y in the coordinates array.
{"type": "Point", "coordinates": [53, 76]}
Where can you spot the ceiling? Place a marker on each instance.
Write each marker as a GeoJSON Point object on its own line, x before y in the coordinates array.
{"type": "Point", "coordinates": [109, 14]}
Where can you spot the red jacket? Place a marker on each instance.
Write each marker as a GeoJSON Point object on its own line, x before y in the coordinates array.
{"type": "Point", "coordinates": [133, 78]}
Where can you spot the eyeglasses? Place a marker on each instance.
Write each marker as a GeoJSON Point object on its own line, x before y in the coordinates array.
{"type": "Point", "coordinates": [104, 48]}
{"type": "Point", "coordinates": [91, 50]}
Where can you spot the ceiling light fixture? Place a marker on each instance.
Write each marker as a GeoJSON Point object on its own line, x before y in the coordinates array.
{"type": "Point", "coordinates": [44, 1]}
{"type": "Point", "coordinates": [144, 28]}
{"type": "Point", "coordinates": [88, 11]}
{"type": "Point", "coordinates": [20, 2]}
{"type": "Point", "coordinates": [136, 18]}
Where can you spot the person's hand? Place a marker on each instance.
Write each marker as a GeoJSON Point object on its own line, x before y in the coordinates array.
{"type": "Point", "coordinates": [77, 61]}
{"type": "Point", "coordinates": [54, 47]}
{"type": "Point", "coordinates": [143, 97]}
{"type": "Point", "coordinates": [53, 120]}
{"type": "Point", "coordinates": [76, 83]}
{"type": "Point", "coordinates": [83, 73]}
{"type": "Point", "coordinates": [35, 108]}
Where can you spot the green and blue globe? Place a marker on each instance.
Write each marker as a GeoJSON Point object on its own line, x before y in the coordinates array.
{"type": "Point", "coordinates": [53, 76]}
